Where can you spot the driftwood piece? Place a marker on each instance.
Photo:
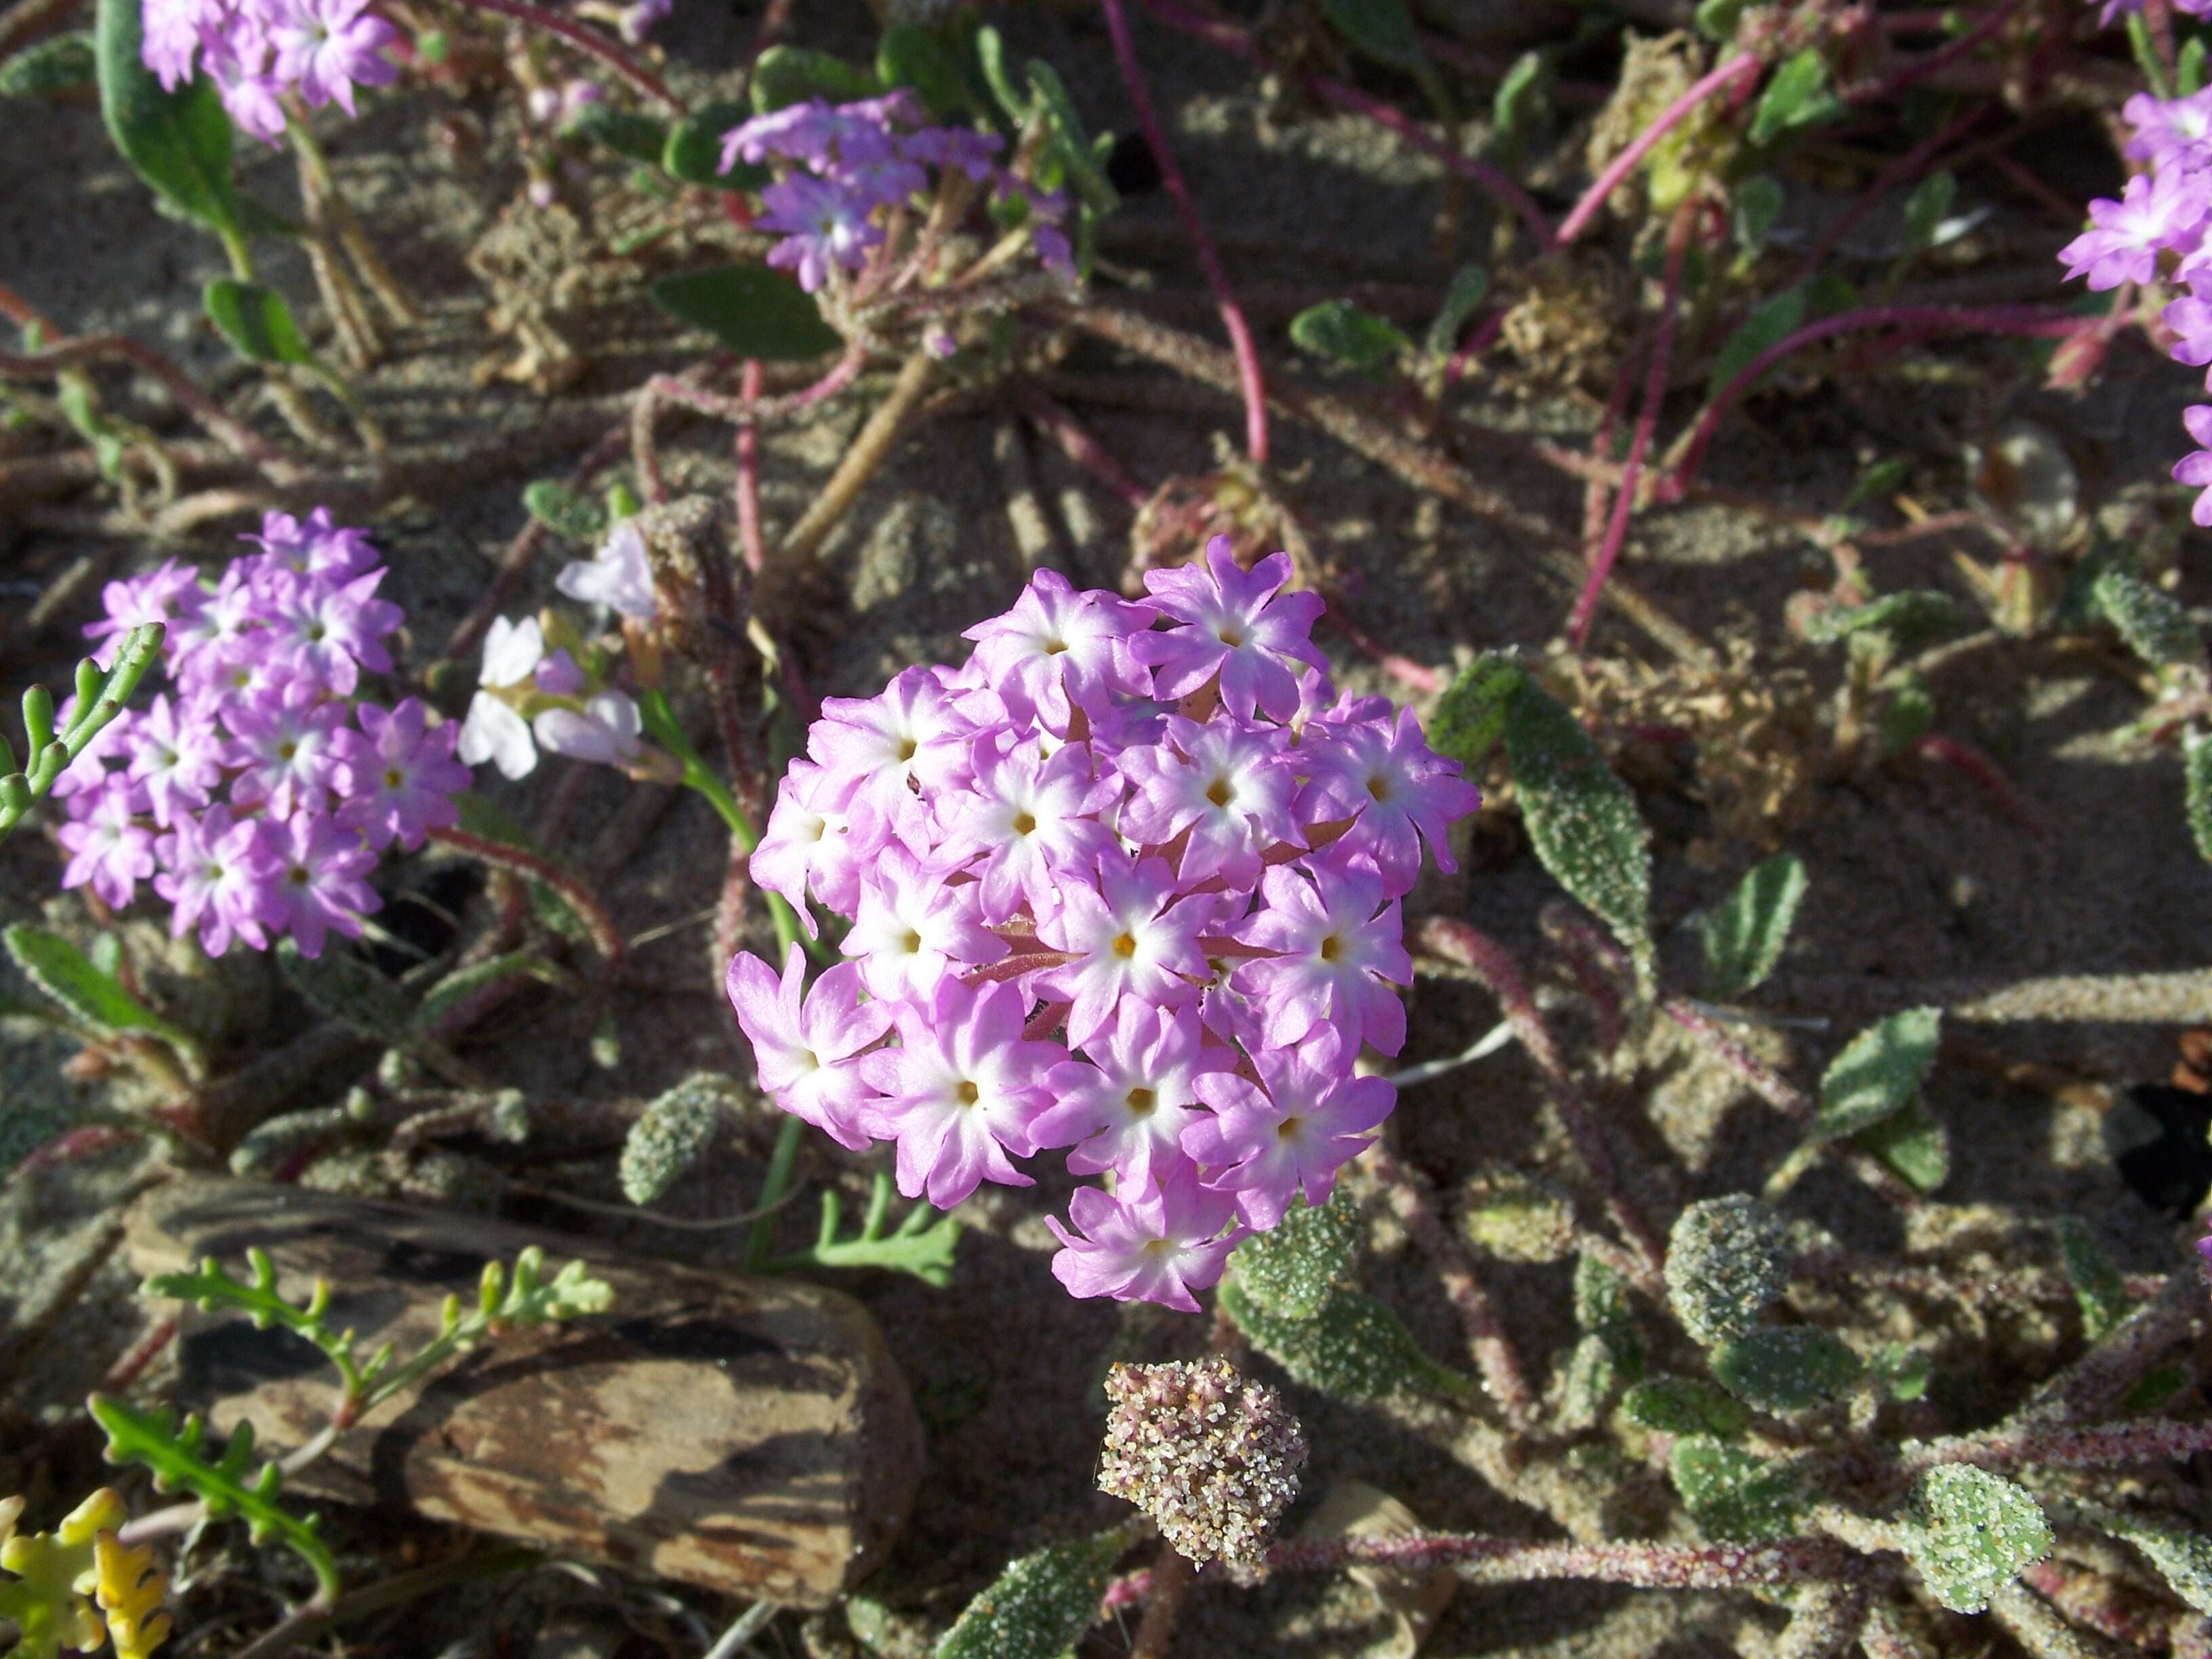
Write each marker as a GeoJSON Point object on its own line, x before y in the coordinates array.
{"type": "Point", "coordinates": [749, 1435]}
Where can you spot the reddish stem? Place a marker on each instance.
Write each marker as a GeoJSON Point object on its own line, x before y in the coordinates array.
{"type": "Point", "coordinates": [1649, 1567]}
{"type": "Point", "coordinates": [1249, 381]}
{"type": "Point", "coordinates": [1229, 39]}
{"type": "Point", "coordinates": [749, 520]}
{"type": "Point", "coordinates": [1578, 220]}
{"type": "Point", "coordinates": [1890, 85]}
{"type": "Point", "coordinates": [1952, 752]}
{"type": "Point", "coordinates": [90, 348]}
{"type": "Point", "coordinates": [1655, 393]}
{"type": "Point", "coordinates": [586, 40]}
{"type": "Point", "coordinates": [1076, 442]}
{"type": "Point", "coordinates": [606, 938]}
{"type": "Point", "coordinates": [2034, 321]}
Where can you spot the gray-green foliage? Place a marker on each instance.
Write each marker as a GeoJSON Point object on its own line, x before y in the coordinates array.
{"type": "Point", "coordinates": [1352, 1348]}
{"type": "Point", "coordinates": [1727, 1259]}
{"type": "Point", "coordinates": [2153, 625]}
{"type": "Point", "coordinates": [1040, 1606]}
{"type": "Point", "coordinates": [1581, 819]}
{"type": "Point", "coordinates": [1735, 1496]}
{"type": "Point", "coordinates": [1906, 619]}
{"type": "Point", "coordinates": [1676, 1405]}
{"type": "Point", "coordinates": [1971, 1532]}
{"type": "Point", "coordinates": [1879, 1071]}
{"type": "Point", "coordinates": [2197, 791]}
{"type": "Point", "coordinates": [1786, 1368]}
{"type": "Point", "coordinates": [673, 1132]}
{"type": "Point", "coordinates": [60, 63]}
{"type": "Point", "coordinates": [1515, 1217]}
{"type": "Point", "coordinates": [2097, 1283]}
{"type": "Point", "coordinates": [1744, 934]}
{"type": "Point", "coordinates": [1602, 1310]}
{"type": "Point", "coordinates": [1913, 1143]}
{"type": "Point", "coordinates": [1294, 1268]}
{"type": "Point", "coordinates": [1342, 332]}
{"type": "Point", "coordinates": [562, 510]}
{"type": "Point", "coordinates": [92, 995]}
{"type": "Point", "coordinates": [2183, 1557]}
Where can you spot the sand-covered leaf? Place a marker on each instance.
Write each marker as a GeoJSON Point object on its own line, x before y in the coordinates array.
{"type": "Point", "coordinates": [1293, 1269]}
{"type": "Point", "coordinates": [1879, 1071]}
{"type": "Point", "coordinates": [1734, 1496]}
{"type": "Point", "coordinates": [1727, 1259]}
{"type": "Point", "coordinates": [1786, 1368]}
{"type": "Point", "coordinates": [1352, 1348]}
{"type": "Point", "coordinates": [1040, 1606]}
{"type": "Point", "coordinates": [1971, 1532]}
{"type": "Point", "coordinates": [1744, 934]}
{"type": "Point", "coordinates": [1678, 1405]}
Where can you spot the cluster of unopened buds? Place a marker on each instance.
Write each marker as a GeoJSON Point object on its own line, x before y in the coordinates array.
{"type": "Point", "coordinates": [541, 688]}
{"type": "Point", "coordinates": [256, 793]}
{"type": "Point", "coordinates": [1128, 882]}
{"type": "Point", "coordinates": [2164, 210]}
{"type": "Point", "coordinates": [845, 170]}
{"type": "Point", "coordinates": [260, 51]}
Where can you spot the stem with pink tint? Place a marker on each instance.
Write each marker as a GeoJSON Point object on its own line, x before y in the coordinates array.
{"type": "Point", "coordinates": [1655, 393]}
{"type": "Point", "coordinates": [2039, 322]}
{"type": "Point", "coordinates": [1649, 1567]}
{"type": "Point", "coordinates": [1230, 39]}
{"type": "Point", "coordinates": [1890, 85]}
{"type": "Point", "coordinates": [1248, 378]}
{"type": "Point", "coordinates": [748, 454]}
{"type": "Point", "coordinates": [587, 40]}
{"type": "Point", "coordinates": [1075, 441]}
{"type": "Point", "coordinates": [1741, 67]}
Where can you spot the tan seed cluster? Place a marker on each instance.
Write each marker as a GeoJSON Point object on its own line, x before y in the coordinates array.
{"type": "Point", "coordinates": [1212, 1456]}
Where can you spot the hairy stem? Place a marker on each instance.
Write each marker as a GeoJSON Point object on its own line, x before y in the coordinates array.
{"type": "Point", "coordinates": [1743, 66]}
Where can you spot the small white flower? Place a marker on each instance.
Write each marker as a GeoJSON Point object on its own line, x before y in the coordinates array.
{"type": "Point", "coordinates": [495, 732]}
{"type": "Point", "coordinates": [606, 732]}
{"type": "Point", "coordinates": [619, 576]}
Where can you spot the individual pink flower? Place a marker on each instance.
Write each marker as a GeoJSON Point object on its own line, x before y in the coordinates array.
{"type": "Point", "coordinates": [1125, 1108]}
{"type": "Point", "coordinates": [1157, 1244]}
{"type": "Point", "coordinates": [2169, 132]}
{"type": "Point", "coordinates": [1057, 646]}
{"type": "Point", "coordinates": [605, 730]}
{"type": "Point", "coordinates": [2196, 470]}
{"type": "Point", "coordinates": [397, 774]}
{"type": "Point", "coordinates": [330, 632]}
{"type": "Point", "coordinates": [961, 1090]}
{"type": "Point", "coordinates": [1226, 784]}
{"type": "Point", "coordinates": [1306, 1118]}
{"type": "Point", "coordinates": [176, 757]}
{"type": "Point", "coordinates": [889, 751]}
{"type": "Point", "coordinates": [805, 1043]}
{"type": "Point", "coordinates": [914, 925]}
{"type": "Point", "coordinates": [1385, 776]}
{"type": "Point", "coordinates": [1130, 937]}
{"type": "Point", "coordinates": [108, 851]}
{"type": "Point", "coordinates": [1338, 950]}
{"type": "Point", "coordinates": [825, 224]}
{"type": "Point", "coordinates": [281, 743]}
{"type": "Point", "coordinates": [1027, 820]}
{"type": "Point", "coordinates": [808, 845]}
{"type": "Point", "coordinates": [216, 876]}
{"type": "Point", "coordinates": [329, 46]}
{"type": "Point", "coordinates": [313, 546]}
{"type": "Point", "coordinates": [169, 594]}
{"type": "Point", "coordinates": [319, 885]}
{"type": "Point", "coordinates": [2155, 212]}
{"type": "Point", "coordinates": [1234, 623]}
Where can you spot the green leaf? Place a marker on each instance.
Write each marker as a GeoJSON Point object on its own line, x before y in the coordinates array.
{"type": "Point", "coordinates": [1883, 478]}
{"type": "Point", "coordinates": [256, 321]}
{"type": "Point", "coordinates": [2158, 1386]}
{"type": "Point", "coordinates": [693, 150]}
{"type": "Point", "coordinates": [923, 1244]}
{"type": "Point", "coordinates": [674, 1132]}
{"type": "Point", "coordinates": [1513, 107]}
{"type": "Point", "coordinates": [1470, 717]}
{"type": "Point", "coordinates": [92, 997]}
{"type": "Point", "coordinates": [2183, 1559]}
{"type": "Point", "coordinates": [152, 1439]}
{"type": "Point", "coordinates": [1757, 205]}
{"type": "Point", "coordinates": [1744, 934]}
{"type": "Point", "coordinates": [1581, 819]}
{"type": "Point", "coordinates": [1353, 1347]}
{"type": "Point", "coordinates": [1676, 1405]}
{"type": "Point", "coordinates": [1905, 1372]}
{"type": "Point", "coordinates": [1786, 1368]}
{"type": "Point", "coordinates": [1065, 139]}
{"type": "Point", "coordinates": [1340, 332]}
{"type": "Point", "coordinates": [211, 1287]}
{"type": "Point", "coordinates": [1294, 1268]}
{"type": "Point", "coordinates": [1924, 209]}
{"type": "Point", "coordinates": [2097, 1283]}
{"type": "Point", "coordinates": [1913, 1143]}
{"type": "Point", "coordinates": [1383, 29]}
{"type": "Point", "coordinates": [1767, 327]}
{"type": "Point", "coordinates": [2189, 67]}
{"type": "Point", "coordinates": [2153, 625]}
{"type": "Point", "coordinates": [1727, 1259]}
{"type": "Point", "coordinates": [1909, 618]}
{"type": "Point", "coordinates": [1717, 20]}
{"type": "Point", "coordinates": [753, 311]}
{"type": "Point", "coordinates": [1906, 717]}
{"type": "Point", "coordinates": [1470, 287]}
{"type": "Point", "coordinates": [346, 988]}
{"type": "Point", "coordinates": [625, 132]}
{"type": "Point", "coordinates": [792, 75]}
{"type": "Point", "coordinates": [1796, 96]}
{"type": "Point", "coordinates": [1971, 1532]}
{"type": "Point", "coordinates": [60, 63]}
{"type": "Point", "coordinates": [564, 511]}
{"type": "Point", "coordinates": [2197, 791]}
{"type": "Point", "coordinates": [178, 141]}
{"type": "Point", "coordinates": [1041, 1605]}
{"type": "Point", "coordinates": [912, 55]}
{"type": "Point", "coordinates": [448, 993]}
{"type": "Point", "coordinates": [1734, 1496]}
{"type": "Point", "coordinates": [1879, 1071]}
{"type": "Point", "coordinates": [1603, 1309]}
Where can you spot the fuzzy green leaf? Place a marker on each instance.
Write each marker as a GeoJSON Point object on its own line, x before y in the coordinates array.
{"type": "Point", "coordinates": [674, 1132]}
{"type": "Point", "coordinates": [1340, 332]}
{"type": "Point", "coordinates": [1294, 1268]}
{"type": "Point", "coordinates": [625, 132]}
{"type": "Point", "coordinates": [60, 63]}
{"type": "Point", "coordinates": [1727, 1259]}
{"type": "Point", "coordinates": [1522, 91]}
{"type": "Point", "coordinates": [1879, 1071]}
{"type": "Point", "coordinates": [1924, 209]}
{"type": "Point", "coordinates": [448, 993]}
{"type": "Point", "coordinates": [257, 322]}
{"type": "Point", "coordinates": [1353, 1347]}
{"type": "Point", "coordinates": [1040, 1606]}
{"type": "Point", "coordinates": [2097, 1283]}
{"type": "Point", "coordinates": [2190, 67]}
{"type": "Point", "coordinates": [1758, 205]}
{"type": "Point", "coordinates": [1971, 1532]}
{"type": "Point", "coordinates": [693, 150]}
{"type": "Point", "coordinates": [1772, 322]}
{"type": "Point", "coordinates": [173, 1454]}
{"type": "Point", "coordinates": [2183, 1559]}
{"type": "Point", "coordinates": [1745, 934]}
{"type": "Point", "coordinates": [1470, 287]}
{"type": "Point", "coordinates": [912, 55]}
{"type": "Point", "coordinates": [1470, 717]}
{"type": "Point", "coordinates": [92, 997]}
{"type": "Point", "coordinates": [2153, 625]}
{"type": "Point", "coordinates": [2197, 791]}
{"type": "Point", "coordinates": [1796, 96]}
{"type": "Point", "coordinates": [1676, 1405]}
{"type": "Point", "coordinates": [178, 141]}
{"type": "Point", "coordinates": [1603, 1309]}
{"type": "Point", "coordinates": [1909, 618]}
{"type": "Point", "coordinates": [1786, 1368]}
{"type": "Point", "coordinates": [1913, 1143]}
{"type": "Point", "coordinates": [2158, 1387]}
{"type": "Point", "coordinates": [1383, 29]}
{"type": "Point", "coordinates": [1905, 719]}
{"type": "Point", "coordinates": [563, 511]}
{"type": "Point", "coordinates": [792, 75]}
{"type": "Point", "coordinates": [1734, 1496]}
{"type": "Point", "coordinates": [347, 988]}
{"type": "Point", "coordinates": [753, 311]}
{"type": "Point", "coordinates": [1071, 147]}
{"type": "Point", "coordinates": [1717, 20]}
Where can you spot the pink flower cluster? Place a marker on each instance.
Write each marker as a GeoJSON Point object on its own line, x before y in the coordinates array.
{"type": "Point", "coordinates": [849, 166]}
{"type": "Point", "coordinates": [258, 50]}
{"type": "Point", "coordinates": [2164, 210]}
{"type": "Point", "coordinates": [1126, 882]}
{"type": "Point", "coordinates": [255, 797]}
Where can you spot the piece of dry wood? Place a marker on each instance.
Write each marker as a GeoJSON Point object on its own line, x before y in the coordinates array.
{"type": "Point", "coordinates": [749, 1435]}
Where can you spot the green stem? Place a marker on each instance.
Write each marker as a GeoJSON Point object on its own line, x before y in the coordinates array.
{"type": "Point", "coordinates": [2146, 58]}
{"type": "Point", "coordinates": [762, 1234]}
{"type": "Point", "coordinates": [241, 258]}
